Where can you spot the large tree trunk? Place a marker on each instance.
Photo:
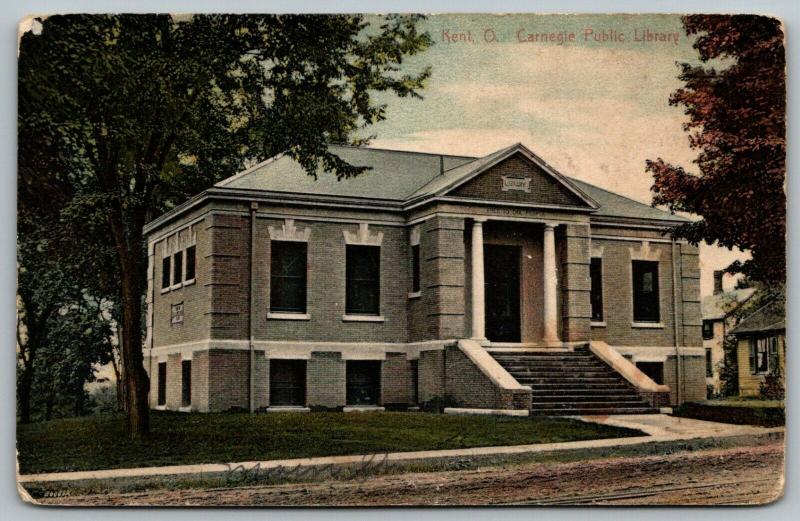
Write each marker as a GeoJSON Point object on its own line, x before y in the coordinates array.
{"type": "Point", "coordinates": [136, 383]}
{"type": "Point", "coordinates": [122, 402]}
{"type": "Point", "coordinates": [24, 394]}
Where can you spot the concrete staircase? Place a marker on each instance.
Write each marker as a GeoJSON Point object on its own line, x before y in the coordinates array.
{"type": "Point", "coordinates": [570, 383]}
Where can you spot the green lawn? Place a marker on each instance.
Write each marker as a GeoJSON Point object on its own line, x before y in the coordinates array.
{"type": "Point", "coordinates": [98, 442]}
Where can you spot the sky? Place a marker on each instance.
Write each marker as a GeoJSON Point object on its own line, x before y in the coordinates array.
{"type": "Point", "coordinates": [594, 104]}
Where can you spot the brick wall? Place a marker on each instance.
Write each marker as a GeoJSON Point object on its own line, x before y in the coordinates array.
{"type": "Point", "coordinates": [327, 284]}
{"type": "Point", "coordinates": [431, 377]}
{"type": "Point", "coordinates": [693, 369]}
{"type": "Point", "coordinates": [443, 277]}
{"type": "Point", "coordinates": [195, 297]}
{"type": "Point", "coordinates": [543, 188]}
{"type": "Point", "coordinates": [229, 276]}
{"type": "Point", "coordinates": [326, 380]}
{"type": "Point", "coordinates": [261, 379]}
{"type": "Point", "coordinates": [174, 378]}
{"type": "Point", "coordinates": [396, 380]}
{"type": "Point", "coordinates": [467, 386]}
{"type": "Point", "coordinates": [691, 317]}
{"type": "Point", "coordinates": [200, 360]}
{"type": "Point", "coordinates": [576, 309]}
{"type": "Point", "coordinates": [228, 379]}
{"type": "Point", "coordinates": [618, 296]}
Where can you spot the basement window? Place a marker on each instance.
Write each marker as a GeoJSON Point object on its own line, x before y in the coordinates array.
{"type": "Point", "coordinates": [186, 383]}
{"type": "Point", "coordinates": [287, 383]}
{"type": "Point", "coordinates": [414, 381]}
{"type": "Point", "coordinates": [162, 383]}
{"type": "Point", "coordinates": [363, 382]}
{"type": "Point", "coordinates": [655, 370]}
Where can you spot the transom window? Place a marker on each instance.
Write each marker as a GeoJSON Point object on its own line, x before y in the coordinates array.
{"type": "Point", "coordinates": [646, 306]}
{"type": "Point", "coordinates": [288, 276]}
{"type": "Point", "coordinates": [596, 274]}
{"type": "Point", "coordinates": [363, 268]}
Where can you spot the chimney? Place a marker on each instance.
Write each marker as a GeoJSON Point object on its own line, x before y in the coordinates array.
{"type": "Point", "coordinates": [441, 165]}
{"type": "Point", "coordinates": [718, 274]}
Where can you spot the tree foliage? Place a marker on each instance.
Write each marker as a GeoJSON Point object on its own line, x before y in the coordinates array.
{"type": "Point", "coordinates": [736, 112]}
{"type": "Point", "coordinates": [63, 332]}
{"type": "Point", "coordinates": [122, 117]}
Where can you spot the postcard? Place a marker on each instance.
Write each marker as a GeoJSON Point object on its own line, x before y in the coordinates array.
{"type": "Point", "coordinates": [394, 260]}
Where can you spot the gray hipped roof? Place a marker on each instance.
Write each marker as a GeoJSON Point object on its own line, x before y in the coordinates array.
{"type": "Point", "coordinates": [401, 176]}
{"type": "Point", "coordinates": [771, 317]}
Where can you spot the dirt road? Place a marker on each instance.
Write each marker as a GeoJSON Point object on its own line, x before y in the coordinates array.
{"type": "Point", "coordinates": [741, 475]}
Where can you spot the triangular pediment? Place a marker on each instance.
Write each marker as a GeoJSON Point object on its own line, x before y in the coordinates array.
{"type": "Point", "coordinates": [519, 176]}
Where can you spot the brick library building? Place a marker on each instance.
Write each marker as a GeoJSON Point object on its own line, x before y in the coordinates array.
{"type": "Point", "coordinates": [458, 284]}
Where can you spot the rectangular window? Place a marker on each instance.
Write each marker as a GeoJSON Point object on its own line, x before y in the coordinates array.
{"type": "Point", "coordinates": [415, 269]}
{"type": "Point", "coordinates": [414, 381]}
{"type": "Point", "coordinates": [190, 260]}
{"type": "Point", "coordinates": [709, 364]}
{"type": "Point", "coordinates": [287, 382]}
{"type": "Point", "coordinates": [162, 383]}
{"type": "Point", "coordinates": [186, 383]}
{"type": "Point", "coordinates": [763, 355]}
{"type": "Point", "coordinates": [288, 276]}
{"type": "Point", "coordinates": [655, 370]}
{"type": "Point", "coordinates": [596, 274]}
{"type": "Point", "coordinates": [363, 280]}
{"type": "Point", "coordinates": [177, 313]}
{"type": "Point", "coordinates": [177, 268]}
{"type": "Point", "coordinates": [645, 292]}
{"type": "Point", "coordinates": [166, 268]}
{"type": "Point", "coordinates": [708, 330]}
{"type": "Point", "coordinates": [772, 346]}
{"type": "Point", "coordinates": [363, 382]}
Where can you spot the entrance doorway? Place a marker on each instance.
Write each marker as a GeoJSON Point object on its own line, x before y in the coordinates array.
{"type": "Point", "coordinates": [501, 278]}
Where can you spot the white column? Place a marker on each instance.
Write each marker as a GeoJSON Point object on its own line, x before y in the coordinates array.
{"type": "Point", "coordinates": [550, 333]}
{"type": "Point", "coordinates": [478, 298]}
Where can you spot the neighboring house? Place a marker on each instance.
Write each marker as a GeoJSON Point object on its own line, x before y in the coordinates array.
{"type": "Point", "coordinates": [491, 284]}
{"type": "Point", "coordinates": [718, 319]}
{"type": "Point", "coordinates": [761, 344]}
